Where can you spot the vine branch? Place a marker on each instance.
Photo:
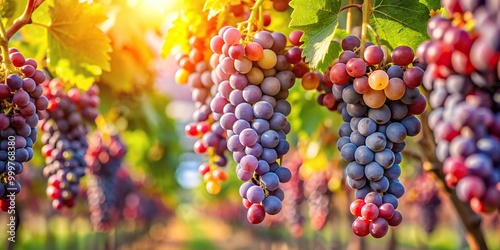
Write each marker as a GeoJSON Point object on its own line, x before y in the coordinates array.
{"type": "Point", "coordinates": [364, 26]}
{"type": "Point", "coordinates": [350, 6]}
{"type": "Point", "coordinates": [374, 33]}
{"type": "Point", "coordinates": [348, 25]}
{"type": "Point", "coordinates": [24, 19]}
{"type": "Point", "coordinates": [251, 20]}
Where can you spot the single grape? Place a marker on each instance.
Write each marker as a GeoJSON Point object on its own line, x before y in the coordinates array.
{"type": "Point", "coordinates": [402, 55]}
{"type": "Point", "coordinates": [379, 227]}
{"type": "Point", "coordinates": [256, 214]}
{"type": "Point", "coordinates": [378, 80]}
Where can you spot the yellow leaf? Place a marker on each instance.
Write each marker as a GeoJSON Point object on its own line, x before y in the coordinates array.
{"type": "Point", "coordinates": [177, 35]}
{"type": "Point", "coordinates": [216, 6]}
{"type": "Point", "coordinates": [78, 49]}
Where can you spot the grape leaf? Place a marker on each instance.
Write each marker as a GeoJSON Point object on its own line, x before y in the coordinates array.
{"type": "Point", "coordinates": [431, 4]}
{"type": "Point", "coordinates": [216, 6]}
{"type": "Point", "coordinates": [177, 35]}
{"type": "Point", "coordinates": [319, 21]}
{"type": "Point", "coordinates": [400, 22]}
{"type": "Point", "coordinates": [78, 49]}
{"type": "Point", "coordinates": [333, 51]}
{"type": "Point", "coordinates": [190, 22]}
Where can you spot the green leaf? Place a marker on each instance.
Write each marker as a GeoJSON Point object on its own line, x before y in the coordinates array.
{"type": "Point", "coordinates": [306, 115]}
{"type": "Point", "coordinates": [400, 22]}
{"type": "Point", "coordinates": [78, 49]}
{"type": "Point", "coordinates": [431, 4]}
{"type": "Point", "coordinates": [319, 21]}
{"type": "Point", "coordinates": [333, 52]}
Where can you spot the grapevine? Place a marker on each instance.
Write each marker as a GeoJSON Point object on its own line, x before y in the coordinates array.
{"type": "Point", "coordinates": [463, 57]}
{"type": "Point", "coordinates": [393, 106]}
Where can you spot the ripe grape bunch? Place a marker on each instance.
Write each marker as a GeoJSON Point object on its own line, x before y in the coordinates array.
{"type": "Point", "coordinates": [65, 139]}
{"type": "Point", "coordinates": [377, 99]}
{"type": "Point", "coordinates": [464, 74]}
{"type": "Point", "coordinates": [196, 72]}
{"type": "Point", "coordinates": [124, 187]}
{"type": "Point", "coordinates": [425, 193]}
{"type": "Point", "coordinates": [104, 156]}
{"type": "Point", "coordinates": [319, 197]}
{"type": "Point", "coordinates": [253, 78]}
{"type": "Point", "coordinates": [22, 106]}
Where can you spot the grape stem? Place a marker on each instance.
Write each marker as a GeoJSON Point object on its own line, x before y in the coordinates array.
{"type": "Point", "coordinates": [350, 6]}
{"type": "Point", "coordinates": [251, 20]}
{"type": "Point", "coordinates": [366, 18]}
{"type": "Point", "coordinates": [24, 19]}
{"type": "Point", "coordinates": [374, 33]}
{"type": "Point", "coordinates": [348, 25]}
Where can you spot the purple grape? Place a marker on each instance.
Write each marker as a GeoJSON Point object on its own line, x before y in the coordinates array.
{"type": "Point", "coordinates": [255, 194]}
{"type": "Point", "coordinates": [270, 181]}
{"type": "Point", "coordinates": [263, 110]}
{"type": "Point", "coordinates": [262, 168]}
{"type": "Point", "coordinates": [14, 82]}
{"type": "Point", "coordinates": [272, 205]}
{"type": "Point", "coordinates": [284, 174]}
{"type": "Point", "coordinates": [248, 137]}
{"type": "Point", "coordinates": [244, 188]}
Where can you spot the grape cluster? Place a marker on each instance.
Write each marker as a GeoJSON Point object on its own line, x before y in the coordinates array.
{"type": "Point", "coordinates": [464, 74]}
{"type": "Point", "coordinates": [124, 186]}
{"type": "Point", "coordinates": [65, 139]}
{"type": "Point", "coordinates": [377, 97]}
{"type": "Point", "coordinates": [22, 105]}
{"type": "Point", "coordinates": [253, 78]}
{"type": "Point", "coordinates": [196, 72]}
{"type": "Point", "coordinates": [427, 201]}
{"type": "Point", "coordinates": [319, 197]}
{"type": "Point", "coordinates": [104, 156]}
